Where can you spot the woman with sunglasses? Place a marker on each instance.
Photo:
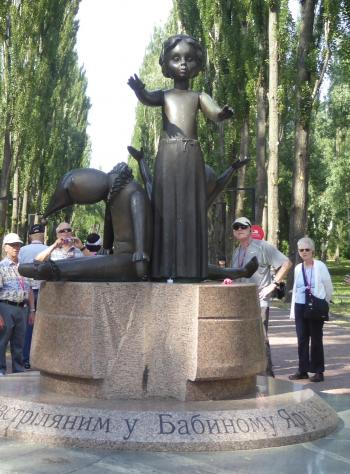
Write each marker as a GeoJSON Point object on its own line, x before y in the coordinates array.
{"type": "Point", "coordinates": [65, 246]}
{"type": "Point", "coordinates": [318, 281]}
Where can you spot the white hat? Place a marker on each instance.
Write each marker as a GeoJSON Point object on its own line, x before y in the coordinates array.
{"type": "Point", "coordinates": [12, 238]}
{"type": "Point", "coordinates": [242, 220]}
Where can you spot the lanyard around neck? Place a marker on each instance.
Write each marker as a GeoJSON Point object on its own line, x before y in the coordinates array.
{"type": "Point", "coordinates": [307, 283]}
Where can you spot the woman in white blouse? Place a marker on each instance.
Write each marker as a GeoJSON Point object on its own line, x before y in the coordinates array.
{"type": "Point", "coordinates": [318, 280]}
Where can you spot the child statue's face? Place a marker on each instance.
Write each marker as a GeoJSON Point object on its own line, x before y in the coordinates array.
{"type": "Point", "coordinates": [182, 62]}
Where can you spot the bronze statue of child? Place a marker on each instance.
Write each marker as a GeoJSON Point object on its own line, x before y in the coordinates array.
{"type": "Point", "coordinates": [179, 201]}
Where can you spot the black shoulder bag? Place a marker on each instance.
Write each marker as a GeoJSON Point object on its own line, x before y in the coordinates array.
{"type": "Point", "coordinates": [316, 309]}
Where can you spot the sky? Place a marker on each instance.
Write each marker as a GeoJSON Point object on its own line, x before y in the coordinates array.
{"type": "Point", "coordinates": [111, 43]}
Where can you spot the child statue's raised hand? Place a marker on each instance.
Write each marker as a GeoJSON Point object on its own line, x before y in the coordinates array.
{"type": "Point", "coordinates": [135, 83]}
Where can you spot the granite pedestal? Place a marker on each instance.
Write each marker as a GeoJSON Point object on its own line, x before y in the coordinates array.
{"type": "Point", "coordinates": [145, 340]}
{"type": "Point", "coordinates": [154, 367]}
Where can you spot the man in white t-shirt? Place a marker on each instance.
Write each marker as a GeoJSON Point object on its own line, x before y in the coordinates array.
{"type": "Point", "coordinates": [269, 257]}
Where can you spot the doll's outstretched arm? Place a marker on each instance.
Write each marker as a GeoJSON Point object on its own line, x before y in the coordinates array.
{"type": "Point", "coordinates": [224, 179]}
{"type": "Point", "coordinates": [212, 110]}
{"type": "Point", "coordinates": [152, 98]}
{"type": "Point", "coordinates": [144, 169]}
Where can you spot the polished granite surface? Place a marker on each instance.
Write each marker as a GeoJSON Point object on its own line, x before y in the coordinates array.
{"type": "Point", "coordinates": [327, 455]}
{"type": "Point", "coordinates": [277, 413]}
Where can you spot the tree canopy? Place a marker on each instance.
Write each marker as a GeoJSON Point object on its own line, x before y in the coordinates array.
{"type": "Point", "coordinates": [310, 148]}
{"type": "Point", "coordinates": [43, 105]}
{"type": "Point", "coordinates": [297, 180]}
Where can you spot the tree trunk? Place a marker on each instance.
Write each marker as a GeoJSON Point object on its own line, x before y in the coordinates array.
{"type": "Point", "coordinates": [239, 208]}
{"type": "Point", "coordinates": [216, 230]}
{"type": "Point", "coordinates": [39, 206]}
{"type": "Point", "coordinates": [298, 214]}
{"type": "Point", "coordinates": [261, 177]}
{"type": "Point", "coordinates": [337, 254]}
{"type": "Point", "coordinates": [221, 204]}
{"type": "Point", "coordinates": [217, 213]}
{"type": "Point", "coordinates": [228, 231]}
{"type": "Point", "coordinates": [4, 179]}
{"type": "Point", "coordinates": [15, 197]}
{"type": "Point", "coordinates": [264, 219]}
{"type": "Point", "coordinates": [272, 170]}
{"type": "Point", "coordinates": [24, 213]}
{"type": "Point", "coordinates": [7, 158]}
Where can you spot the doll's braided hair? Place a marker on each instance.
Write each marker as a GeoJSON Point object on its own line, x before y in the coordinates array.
{"type": "Point", "coordinates": [123, 176]}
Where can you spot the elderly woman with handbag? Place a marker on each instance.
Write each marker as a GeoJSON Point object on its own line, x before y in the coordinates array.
{"type": "Point", "coordinates": [312, 292]}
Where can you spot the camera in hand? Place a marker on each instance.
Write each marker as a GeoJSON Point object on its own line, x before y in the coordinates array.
{"type": "Point", "coordinates": [280, 291]}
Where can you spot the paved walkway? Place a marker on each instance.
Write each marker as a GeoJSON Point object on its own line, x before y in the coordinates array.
{"type": "Point", "coordinates": [327, 455]}
{"type": "Point", "coordinates": [337, 353]}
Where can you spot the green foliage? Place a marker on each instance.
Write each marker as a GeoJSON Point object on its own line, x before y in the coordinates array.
{"type": "Point", "coordinates": [88, 218]}
{"type": "Point", "coordinates": [43, 92]}
{"type": "Point", "coordinates": [340, 308]}
{"type": "Point", "coordinates": [234, 33]}
{"type": "Point", "coordinates": [330, 164]}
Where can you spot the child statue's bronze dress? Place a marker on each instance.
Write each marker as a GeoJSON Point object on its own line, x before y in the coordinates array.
{"type": "Point", "coordinates": [180, 233]}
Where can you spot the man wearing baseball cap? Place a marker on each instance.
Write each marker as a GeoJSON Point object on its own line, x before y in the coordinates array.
{"type": "Point", "coordinates": [269, 257]}
{"type": "Point", "coordinates": [15, 296]}
{"type": "Point", "coordinates": [27, 254]}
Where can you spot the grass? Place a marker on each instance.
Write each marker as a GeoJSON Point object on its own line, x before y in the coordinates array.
{"type": "Point", "coordinates": [340, 308]}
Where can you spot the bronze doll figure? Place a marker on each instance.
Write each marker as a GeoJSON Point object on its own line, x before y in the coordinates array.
{"type": "Point", "coordinates": [179, 201]}
{"type": "Point", "coordinates": [127, 230]}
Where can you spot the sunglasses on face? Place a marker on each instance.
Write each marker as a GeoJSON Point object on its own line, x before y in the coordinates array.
{"type": "Point", "coordinates": [64, 231]}
{"type": "Point", "coordinates": [304, 250]}
{"type": "Point", "coordinates": [239, 226]}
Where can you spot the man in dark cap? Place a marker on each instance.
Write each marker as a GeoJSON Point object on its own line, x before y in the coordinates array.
{"type": "Point", "coordinates": [27, 254]}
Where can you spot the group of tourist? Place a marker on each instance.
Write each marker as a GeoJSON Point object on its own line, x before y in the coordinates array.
{"type": "Point", "coordinates": [19, 295]}
{"type": "Point", "coordinates": [311, 277]}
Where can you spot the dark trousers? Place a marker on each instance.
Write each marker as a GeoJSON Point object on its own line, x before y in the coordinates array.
{"type": "Point", "coordinates": [265, 316]}
{"type": "Point", "coordinates": [27, 342]}
{"type": "Point", "coordinates": [29, 333]}
{"type": "Point", "coordinates": [309, 331]}
{"type": "Point", "coordinates": [15, 318]}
